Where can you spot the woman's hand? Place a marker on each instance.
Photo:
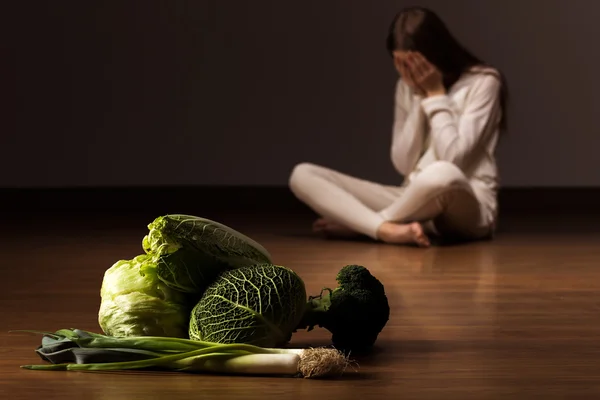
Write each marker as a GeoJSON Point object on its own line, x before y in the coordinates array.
{"type": "Point", "coordinates": [406, 74]}
{"type": "Point", "coordinates": [425, 75]}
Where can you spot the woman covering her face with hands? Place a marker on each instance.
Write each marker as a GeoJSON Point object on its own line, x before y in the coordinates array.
{"type": "Point", "coordinates": [418, 73]}
{"type": "Point", "coordinates": [449, 111]}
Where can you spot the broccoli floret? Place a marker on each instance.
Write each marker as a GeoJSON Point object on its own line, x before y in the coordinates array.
{"type": "Point", "coordinates": [355, 312]}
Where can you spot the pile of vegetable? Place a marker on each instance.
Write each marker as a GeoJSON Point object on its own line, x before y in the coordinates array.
{"type": "Point", "coordinates": [203, 297]}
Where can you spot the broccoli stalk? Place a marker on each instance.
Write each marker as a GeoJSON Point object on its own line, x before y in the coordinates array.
{"type": "Point", "coordinates": [355, 312]}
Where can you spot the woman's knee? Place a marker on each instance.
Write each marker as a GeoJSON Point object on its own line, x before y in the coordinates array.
{"type": "Point", "coordinates": [442, 174]}
{"type": "Point", "coordinates": [301, 174]}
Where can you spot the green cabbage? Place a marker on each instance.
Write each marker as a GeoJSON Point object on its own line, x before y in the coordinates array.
{"type": "Point", "coordinates": [259, 305]}
{"type": "Point", "coordinates": [153, 294]}
{"type": "Point", "coordinates": [192, 251]}
{"type": "Point", "coordinates": [135, 302]}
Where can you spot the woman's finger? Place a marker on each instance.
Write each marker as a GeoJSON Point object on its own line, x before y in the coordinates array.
{"type": "Point", "coordinates": [410, 63]}
{"type": "Point", "coordinates": [411, 79]}
{"type": "Point", "coordinates": [416, 66]}
{"type": "Point", "coordinates": [407, 71]}
{"type": "Point", "coordinates": [404, 72]}
{"type": "Point", "coordinates": [425, 65]}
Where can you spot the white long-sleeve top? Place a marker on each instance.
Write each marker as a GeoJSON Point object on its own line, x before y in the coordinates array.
{"type": "Point", "coordinates": [461, 127]}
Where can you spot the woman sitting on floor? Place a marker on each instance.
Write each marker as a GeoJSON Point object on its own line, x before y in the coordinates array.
{"type": "Point", "coordinates": [449, 112]}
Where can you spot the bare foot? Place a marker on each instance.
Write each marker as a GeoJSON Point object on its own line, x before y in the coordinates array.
{"type": "Point", "coordinates": [412, 233]}
{"type": "Point", "coordinates": [332, 229]}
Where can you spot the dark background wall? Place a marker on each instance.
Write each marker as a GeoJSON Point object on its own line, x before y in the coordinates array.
{"type": "Point", "coordinates": [233, 92]}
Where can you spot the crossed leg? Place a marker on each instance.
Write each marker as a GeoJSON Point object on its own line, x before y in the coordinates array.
{"type": "Point", "coordinates": [440, 198]}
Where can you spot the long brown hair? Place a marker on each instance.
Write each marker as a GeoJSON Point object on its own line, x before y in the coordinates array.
{"type": "Point", "coordinates": [421, 29]}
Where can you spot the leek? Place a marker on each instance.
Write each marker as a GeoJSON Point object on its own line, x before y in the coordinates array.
{"type": "Point", "coordinates": [78, 350]}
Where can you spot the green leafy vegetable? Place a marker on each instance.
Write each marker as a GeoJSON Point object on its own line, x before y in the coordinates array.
{"type": "Point", "coordinates": [210, 248]}
{"type": "Point", "coordinates": [134, 304]}
{"type": "Point", "coordinates": [355, 312]}
{"type": "Point", "coordinates": [188, 270]}
{"type": "Point", "coordinates": [154, 293]}
{"type": "Point", "coordinates": [259, 305]}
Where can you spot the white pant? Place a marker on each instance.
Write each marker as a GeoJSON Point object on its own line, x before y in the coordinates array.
{"type": "Point", "coordinates": [440, 197]}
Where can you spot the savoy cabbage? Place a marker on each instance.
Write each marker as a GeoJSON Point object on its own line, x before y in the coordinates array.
{"type": "Point", "coordinates": [259, 305]}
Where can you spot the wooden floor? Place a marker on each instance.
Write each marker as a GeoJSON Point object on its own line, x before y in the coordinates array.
{"type": "Point", "coordinates": [515, 318]}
